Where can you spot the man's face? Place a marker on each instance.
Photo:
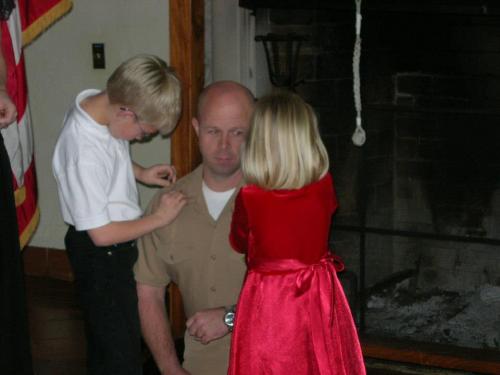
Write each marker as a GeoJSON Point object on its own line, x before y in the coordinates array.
{"type": "Point", "coordinates": [222, 128]}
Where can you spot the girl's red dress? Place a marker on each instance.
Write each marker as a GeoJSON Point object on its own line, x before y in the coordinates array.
{"type": "Point", "coordinates": [292, 316]}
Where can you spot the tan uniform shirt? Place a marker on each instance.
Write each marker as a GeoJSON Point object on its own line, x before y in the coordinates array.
{"type": "Point", "coordinates": [194, 252]}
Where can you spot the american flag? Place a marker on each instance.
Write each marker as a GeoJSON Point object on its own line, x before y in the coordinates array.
{"type": "Point", "coordinates": [28, 20]}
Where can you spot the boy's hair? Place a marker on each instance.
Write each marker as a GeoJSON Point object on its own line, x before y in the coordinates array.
{"type": "Point", "coordinates": [283, 149]}
{"type": "Point", "coordinates": [150, 88]}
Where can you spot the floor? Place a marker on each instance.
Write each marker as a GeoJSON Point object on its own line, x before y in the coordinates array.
{"type": "Point", "coordinates": [56, 327]}
{"type": "Point", "coordinates": [58, 339]}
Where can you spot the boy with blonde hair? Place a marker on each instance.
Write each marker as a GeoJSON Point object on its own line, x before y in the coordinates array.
{"type": "Point", "coordinates": [99, 200]}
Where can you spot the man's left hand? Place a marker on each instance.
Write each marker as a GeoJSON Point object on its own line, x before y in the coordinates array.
{"type": "Point", "coordinates": [207, 325]}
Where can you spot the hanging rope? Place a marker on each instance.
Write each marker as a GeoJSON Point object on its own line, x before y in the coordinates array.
{"type": "Point", "coordinates": [359, 136]}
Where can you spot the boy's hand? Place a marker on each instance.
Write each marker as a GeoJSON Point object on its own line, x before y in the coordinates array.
{"type": "Point", "coordinates": [160, 175]}
{"type": "Point", "coordinates": [170, 205]}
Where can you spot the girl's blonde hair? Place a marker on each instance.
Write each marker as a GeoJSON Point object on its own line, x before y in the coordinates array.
{"type": "Point", "coordinates": [283, 149]}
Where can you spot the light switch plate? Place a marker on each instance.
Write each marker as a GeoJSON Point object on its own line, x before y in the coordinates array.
{"type": "Point", "coordinates": [98, 56]}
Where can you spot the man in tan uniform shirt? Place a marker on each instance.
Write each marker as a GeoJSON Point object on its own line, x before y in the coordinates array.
{"type": "Point", "coordinates": [194, 250]}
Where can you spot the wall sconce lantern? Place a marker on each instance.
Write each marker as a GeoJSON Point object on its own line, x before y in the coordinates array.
{"type": "Point", "coordinates": [282, 55]}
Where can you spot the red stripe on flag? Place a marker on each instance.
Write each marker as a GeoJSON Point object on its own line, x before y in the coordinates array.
{"type": "Point", "coordinates": [21, 99]}
{"type": "Point", "coordinates": [10, 63]}
{"type": "Point", "coordinates": [27, 208]}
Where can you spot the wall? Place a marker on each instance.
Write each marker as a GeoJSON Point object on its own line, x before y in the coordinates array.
{"type": "Point", "coordinates": [59, 65]}
{"type": "Point", "coordinates": [232, 51]}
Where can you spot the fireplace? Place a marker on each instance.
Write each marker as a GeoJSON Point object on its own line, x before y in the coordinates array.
{"type": "Point", "coordinates": [419, 219]}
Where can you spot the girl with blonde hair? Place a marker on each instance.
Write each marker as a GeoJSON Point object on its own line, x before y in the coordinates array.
{"type": "Point", "coordinates": [292, 316]}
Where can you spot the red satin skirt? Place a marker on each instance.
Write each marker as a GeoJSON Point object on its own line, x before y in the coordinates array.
{"type": "Point", "coordinates": [293, 319]}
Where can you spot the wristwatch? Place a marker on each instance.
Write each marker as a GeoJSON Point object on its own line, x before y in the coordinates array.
{"type": "Point", "coordinates": [229, 317]}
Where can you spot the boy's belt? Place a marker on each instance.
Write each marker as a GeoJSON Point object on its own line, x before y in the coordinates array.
{"type": "Point", "coordinates": [115, 246]}
{"type": "Point", "coordinates": [121, 245]}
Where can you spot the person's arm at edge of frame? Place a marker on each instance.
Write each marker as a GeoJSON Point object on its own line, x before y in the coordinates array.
{"type": "Point", "coordinates": [8, 111]}
{"type": "Point", "coordinates": [156, 329]}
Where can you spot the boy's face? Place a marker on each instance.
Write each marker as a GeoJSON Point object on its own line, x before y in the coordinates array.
{"type": "Point", "coordinates": [125, 125]}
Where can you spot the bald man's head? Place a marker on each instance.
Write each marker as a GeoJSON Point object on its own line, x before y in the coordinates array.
{"type": "Point", "coordinates": [222, 123]}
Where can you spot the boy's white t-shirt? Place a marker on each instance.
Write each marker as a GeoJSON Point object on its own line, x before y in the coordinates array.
{"type": "Point", "coordinates": [93, 171]}
{"type": "Point", "coordinates": [216, 201]}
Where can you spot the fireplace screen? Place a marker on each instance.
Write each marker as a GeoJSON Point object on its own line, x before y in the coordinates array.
{"type": "Point", "coordinates": [419, 223]}
{"type": "Point", "coordinates": [419, 219]}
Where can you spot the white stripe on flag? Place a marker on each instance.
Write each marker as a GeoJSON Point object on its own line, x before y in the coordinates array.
{"type": "Point", "coordinates": [14, 24]}
{"type": "Point", "coordinates": [18, 140]}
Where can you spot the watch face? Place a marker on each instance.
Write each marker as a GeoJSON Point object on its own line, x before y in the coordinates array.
{"type": "Point", "coordinates": [229, 318]}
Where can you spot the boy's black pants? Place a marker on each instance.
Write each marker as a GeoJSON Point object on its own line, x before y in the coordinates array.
{"type": "Point", "coordinates": [107, 292]}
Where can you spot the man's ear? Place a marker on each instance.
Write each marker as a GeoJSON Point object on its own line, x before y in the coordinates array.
{"type": "Point", "coordinates": [196, 126]}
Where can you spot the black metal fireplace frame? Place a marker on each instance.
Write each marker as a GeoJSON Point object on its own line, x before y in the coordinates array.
{"type": "Point", "coordinates": [364, 230]}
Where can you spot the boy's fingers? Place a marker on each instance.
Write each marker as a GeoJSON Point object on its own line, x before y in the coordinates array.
{"type": "Point", "coordinates": [162, 182]}
{"type": "Point", "coordinates": [175, 196]}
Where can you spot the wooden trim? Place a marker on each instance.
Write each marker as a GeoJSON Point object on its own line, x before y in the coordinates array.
{"type": "Point", "coordinates": [481, 361]}
{"type": "Point", "coordinates": [47, 262]}
{"type": "Point", "coordinates": [187, 58]}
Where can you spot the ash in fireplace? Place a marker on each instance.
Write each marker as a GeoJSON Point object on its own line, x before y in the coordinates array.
{"type": "Point", "coordinates": [469, 319]}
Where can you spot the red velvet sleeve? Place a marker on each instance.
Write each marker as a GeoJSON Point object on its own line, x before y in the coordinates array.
{"type": "Point", "coordinates": [335, 203]}
{"type": "Point", "coordinates": [238, 237]}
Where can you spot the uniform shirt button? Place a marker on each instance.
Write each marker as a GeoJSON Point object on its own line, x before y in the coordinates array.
{"type": "Point", "coordinates": [213, 289]}
{"type": "Point", "coordinates": [213, 256]}
{"type": "Point", "coordinates": [109, 253]}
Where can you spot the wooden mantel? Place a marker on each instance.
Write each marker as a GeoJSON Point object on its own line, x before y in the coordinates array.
{"type": "Point", "coordinates": [483, 8]}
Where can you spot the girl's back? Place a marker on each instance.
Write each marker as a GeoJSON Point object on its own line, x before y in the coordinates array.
{"type": "Point", "coordinates": [292, 316]}
{"type": "Point", "coordinates": [290, 223]}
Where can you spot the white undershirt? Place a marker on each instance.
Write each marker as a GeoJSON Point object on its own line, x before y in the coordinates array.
{"type": "Point", "coordinates": [216, 201]}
